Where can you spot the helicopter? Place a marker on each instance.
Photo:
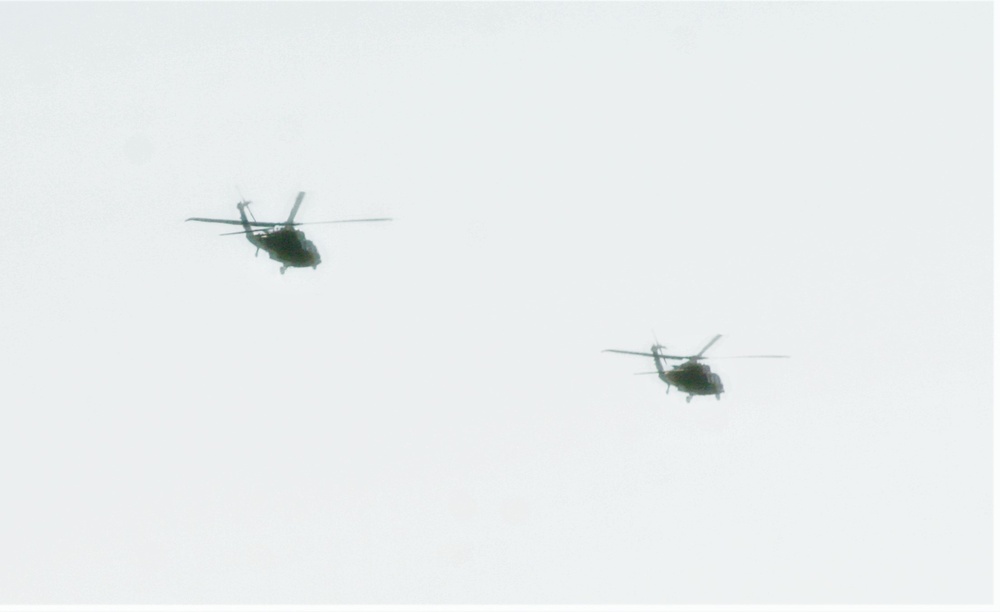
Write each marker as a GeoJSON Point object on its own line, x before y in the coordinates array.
{"type": "Point", "coordinates": [692, 376]}
{"type": "Point", "coordinates": [281, 241]}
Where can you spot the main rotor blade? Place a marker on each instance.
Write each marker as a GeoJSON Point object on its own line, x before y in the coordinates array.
{"type": "Point", "coordinates": [641, 373]}
{"type": "Point", "coordinates": [243, 233]}
{"type": "Point", "coordinates": [702, 352]}
{"type": "Point", "coordinates": [295, 208]}
{"type": "Point", "coordinates": [265, 226]}
{"type": "Point", "coordinates": [233, 222]}
{"type": "Point", "coordinates": [751, 357]}
{"type": "Point", "coordinates": [643, 354]}
{"type": "Point", "coordinates": [339, 221]}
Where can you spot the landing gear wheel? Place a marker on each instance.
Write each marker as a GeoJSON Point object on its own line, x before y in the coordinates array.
{"type": "Point", "coordinates": [689, 398]}
{"type": "Point", "coordinates": [283, 268]}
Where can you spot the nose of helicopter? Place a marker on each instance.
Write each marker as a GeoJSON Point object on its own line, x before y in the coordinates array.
{"type": "Point", "coordinates": [717, 383]}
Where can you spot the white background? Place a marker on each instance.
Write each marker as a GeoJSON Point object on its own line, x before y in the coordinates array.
{"type": "Point", "coordinates": [428, 417]}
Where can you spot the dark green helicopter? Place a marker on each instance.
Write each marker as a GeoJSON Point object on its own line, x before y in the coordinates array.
{"type": "Point", "coordinates": [692, 376]}
{"type": "Point", "coordinates": [281, 241]}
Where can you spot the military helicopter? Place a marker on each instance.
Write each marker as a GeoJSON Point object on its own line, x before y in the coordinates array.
{"type": "Point", "coordinates": [691, 377]}
{"type": "Point", "coordinates": [281, 241]}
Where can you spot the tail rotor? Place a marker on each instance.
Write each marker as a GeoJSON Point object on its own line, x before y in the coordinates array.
{"type": "Point", "coordinates": [656, 344]}
{"type": "Point", "coordinates": [245, 204]}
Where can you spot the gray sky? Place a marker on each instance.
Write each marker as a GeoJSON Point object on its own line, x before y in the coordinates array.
{"type": "Point", "coordinates": [428, 417]}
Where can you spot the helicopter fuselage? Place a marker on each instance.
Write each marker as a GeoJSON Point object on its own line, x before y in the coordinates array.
{"type": "Point", "coordinates": [287, 245]}
{"type": "Point", "coordinates": [693, 378]}
{"type": "Point", "coordinates": [283, 243]}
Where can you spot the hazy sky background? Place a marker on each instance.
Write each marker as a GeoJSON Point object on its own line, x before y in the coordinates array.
{"type": "Point", "coordinates": [428, 417]}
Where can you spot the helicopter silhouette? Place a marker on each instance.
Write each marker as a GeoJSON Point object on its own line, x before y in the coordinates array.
{"type": "Point", "coordinates": [281, 241]}
{"type": "Point", "coordinates": [692, 376]}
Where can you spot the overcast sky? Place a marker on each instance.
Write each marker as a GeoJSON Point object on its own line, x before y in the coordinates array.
{"type": "Point", "coordinates": [428, 417]}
